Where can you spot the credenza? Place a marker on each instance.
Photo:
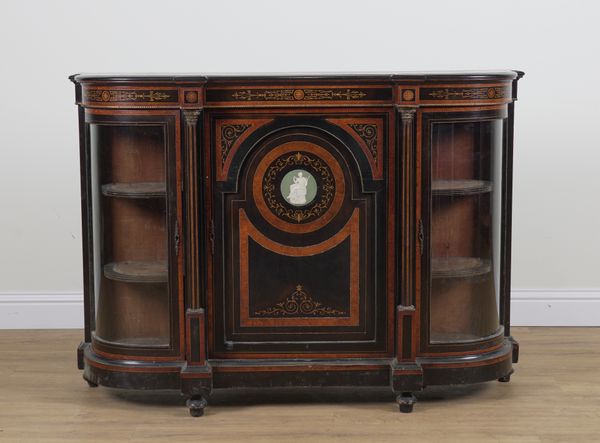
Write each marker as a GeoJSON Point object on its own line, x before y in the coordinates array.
{"type": "Point", "coordinates": [296, 230]}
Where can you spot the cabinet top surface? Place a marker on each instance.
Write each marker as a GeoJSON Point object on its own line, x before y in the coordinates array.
{"type": "Point", "coordinates": [433, 76]}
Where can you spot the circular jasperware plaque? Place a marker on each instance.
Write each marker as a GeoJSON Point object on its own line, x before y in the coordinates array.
{"type": "Point", "coordinates": [298, 187]}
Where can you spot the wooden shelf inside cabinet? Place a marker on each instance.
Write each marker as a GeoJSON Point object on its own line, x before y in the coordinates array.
{"type": "Point", "coordinates": [135, 190]}
{"type": "Point", "coordinates": [137, 271]}
{"type": "Point", "coordinates": [136, 342]}
{"type": "Point", "coordinates": [455, 338]}
{"type": "Point", "coordinates": [457, 267]}
{"type": "Point", "coordinates": [460, 187]}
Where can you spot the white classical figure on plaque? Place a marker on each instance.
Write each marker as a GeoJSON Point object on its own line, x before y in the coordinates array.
{"type": "Point", "coordinates": [298, 190]}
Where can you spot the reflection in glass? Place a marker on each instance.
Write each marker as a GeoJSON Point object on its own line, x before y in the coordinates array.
{"type": "Point", "coordinates": [465, 229]}
{"type": "Point", "coordinates": [130, 234]}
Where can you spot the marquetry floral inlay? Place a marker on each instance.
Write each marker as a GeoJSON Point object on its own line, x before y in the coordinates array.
{"type": "Point", "coordinates": [299, 304]}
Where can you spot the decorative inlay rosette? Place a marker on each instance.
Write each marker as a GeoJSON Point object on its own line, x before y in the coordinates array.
{"type": "Point", "coordinates": [287, 210]}
{"type": "Point", "coordinates": [191, 97]}
{"type": "Point", "coordinates": [299, 304]}
{"type": "Point", "coordinates": [130, 95]}
{"type": "Point", "coordinates": [298, 187]}
{"type": "Point", "coordinates": [408, 95]}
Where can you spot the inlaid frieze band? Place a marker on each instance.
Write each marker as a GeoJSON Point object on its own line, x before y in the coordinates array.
{"type": "Point", "coordinates": [130, 95]}
{"type": "Point", "coordinates": [459, 94]}
{"type": "Point", "coordinates": [299, 94]}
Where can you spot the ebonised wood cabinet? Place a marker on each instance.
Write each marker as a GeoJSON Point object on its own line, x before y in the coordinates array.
{"type": "Point", "coordinates": [342, 230]}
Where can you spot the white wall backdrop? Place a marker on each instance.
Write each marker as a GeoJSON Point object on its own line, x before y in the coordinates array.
{"type": "Point", "coordinates": [556, 241]}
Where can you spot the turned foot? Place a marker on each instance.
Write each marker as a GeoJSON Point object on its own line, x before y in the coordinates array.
{"type": "Point", "coordinates": [506, 378]}
{"type": "Point", "coordinates": [196, 405]}
{"type": "Point", "coordinates": [405, 401]}
{"type": "Point", "coordinates": [91, 384]}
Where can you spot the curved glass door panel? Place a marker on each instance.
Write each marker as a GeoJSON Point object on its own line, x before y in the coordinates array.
{"type": "Point", "coordinates": [466, 189]}
{"type": "Point", "coordinates": [129, 198]}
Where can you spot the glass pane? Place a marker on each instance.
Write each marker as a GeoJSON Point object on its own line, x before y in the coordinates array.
{"type": "Point", "coordinates": [466, 161]}
{"type": "Point", "coordinates": [130, 234]}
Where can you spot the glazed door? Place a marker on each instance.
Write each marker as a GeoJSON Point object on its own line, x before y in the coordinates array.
{"type": "Point", "coordinates": [299, 235]}
{"type": "Point", "coordinates": [463, 171]}
{"type": "Point", "coordinates": [135, 218]}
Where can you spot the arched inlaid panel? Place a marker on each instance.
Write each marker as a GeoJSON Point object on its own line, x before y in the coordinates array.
{"type": "Point", "coordinates": [304, 238]}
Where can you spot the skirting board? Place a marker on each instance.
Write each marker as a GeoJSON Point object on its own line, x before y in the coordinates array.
{"type": "Point", "coordinates": [530, 307]}
{"type": "Point", "coordinates": [555, 307]}
{"type": "Point", "coordinates": [41, 310]}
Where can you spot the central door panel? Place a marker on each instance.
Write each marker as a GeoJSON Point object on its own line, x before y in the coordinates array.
{"type": "Point", "coordinates": [299, 264]}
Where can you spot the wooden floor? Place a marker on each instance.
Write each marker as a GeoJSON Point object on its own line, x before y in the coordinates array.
{"type": "Point", "coordinates": [553, 396]}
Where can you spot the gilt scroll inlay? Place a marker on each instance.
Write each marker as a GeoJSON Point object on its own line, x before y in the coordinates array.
{"type": "Point", "coordinates": [489, 93]}
{"type": "Point", "coordinates": [229, 135]}
{"type": "Point", "coordinates": [299, 304]}
{"type": "Point", "coordinates": [297, 94]}
{"type": "Point", "coordinates": [127, 95]}
{"type": "Point", "coordinates": [368, 132]}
